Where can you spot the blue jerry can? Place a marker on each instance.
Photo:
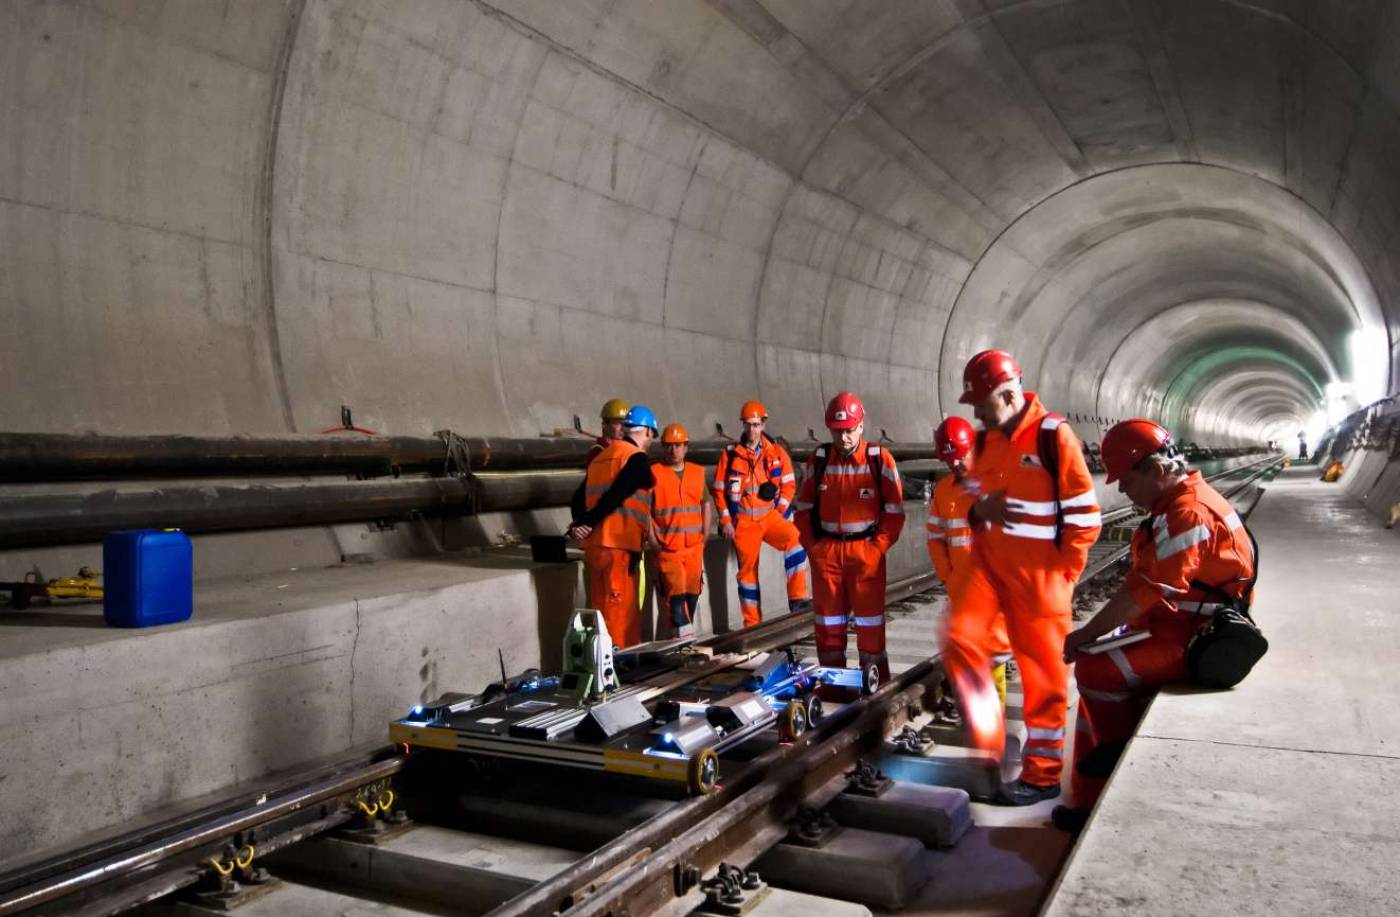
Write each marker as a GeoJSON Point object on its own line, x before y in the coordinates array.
{"type": "Point", "coordinates": [148, 577]}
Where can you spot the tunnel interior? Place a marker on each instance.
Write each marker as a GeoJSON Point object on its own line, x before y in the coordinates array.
{"type": "Point", "coordinates": [491, 216]}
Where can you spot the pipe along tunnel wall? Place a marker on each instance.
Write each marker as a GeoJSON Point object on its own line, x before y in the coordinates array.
{"type": "Point", "coordinates": [491, 215]}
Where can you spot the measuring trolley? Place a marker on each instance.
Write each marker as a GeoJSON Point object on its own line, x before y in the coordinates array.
{"type": "Point", "coordinates": [670, 727]}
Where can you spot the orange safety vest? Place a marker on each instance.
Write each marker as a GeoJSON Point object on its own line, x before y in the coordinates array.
{"type": "Point", "coordinates": [949, 534]}
{"type": "Point", "coordinates": [1193, 538]}
{"type": "Point", "coordinates": [740, 473]}
{"type": "Point", "coordinates": [678, 505]}
{"type": "Point", "coordinates": [853, 504]}
{"type": "Point", "coordinates": [1012, 464]}
{"type": "Point", "coordinates": [626, 527]}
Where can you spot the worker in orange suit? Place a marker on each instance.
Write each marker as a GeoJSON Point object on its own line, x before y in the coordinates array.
{"type": "Point", "coordinates": [1034, 519]}
{"type": "Point", "coordinates": [1190, 558]}
{"type": "Point", "coordinates": [950, 534]}
{"type": "Point", "coordinates": [682, 515]}
{"type": "Point", "coordinates": [753, 489]}
{"type": "Point", "coordinates": [850, 511]}
{"type": "Point", "coordinates": [615, 523]}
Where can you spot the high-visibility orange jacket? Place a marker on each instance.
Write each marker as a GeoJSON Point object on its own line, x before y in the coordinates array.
{"type": "Point", "coordinates": [740, 473]}
{"type": "Point", "coordinates": [1193, 535]}
{"type": "Point", "coordinates": [678, 506]}
{"type": "Point", "coordinates": [852, 504]}
{"type": "Point", "coordinates": [949, 534]}
{"type": "Point", "coordinates": [626, 526]}
{"type": "Point", "coordinates": [1012, 464]}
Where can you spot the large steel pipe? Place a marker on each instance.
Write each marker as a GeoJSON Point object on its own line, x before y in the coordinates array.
{"type": "Point", "coordinates": [37, 457]}
{"type": "Point", "coordinates": [35, 520]}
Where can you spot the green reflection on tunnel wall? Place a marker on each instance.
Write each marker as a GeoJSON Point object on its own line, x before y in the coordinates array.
{"type": "Point", "coordinates": [1178, 399]}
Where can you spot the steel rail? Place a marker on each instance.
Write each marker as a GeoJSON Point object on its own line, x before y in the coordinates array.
{"type": "Point", "coordinates": [590, 881]}
{"type": "Point", "coordinates": [212, 832]}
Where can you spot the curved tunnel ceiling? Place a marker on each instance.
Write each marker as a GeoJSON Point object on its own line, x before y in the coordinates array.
{"type": "Point", "coordinates": [492, 214]}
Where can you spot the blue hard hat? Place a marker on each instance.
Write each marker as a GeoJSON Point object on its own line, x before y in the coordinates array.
{"type": "Point", "coordinates": [640, 416]}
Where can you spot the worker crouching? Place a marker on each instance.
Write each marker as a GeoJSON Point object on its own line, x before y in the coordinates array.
{"type": "Point", "coordinates": [681, 516]}
{"type": "Point", "coordinates": [1190, 557]}
{"type": "Point", "coordinates": [1035, 517]}
{"type": "Point", "coordinates": [849, 512]}
{"type": "Point", "coordinates": [753, 489]}
{"type": "Point", "coordinates": [615, 522]}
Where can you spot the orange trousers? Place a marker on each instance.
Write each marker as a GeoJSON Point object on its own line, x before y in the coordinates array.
{"type": "Point", "coordinates": [1036, 605]}
{"type": "Point", "coordinates": [1114, 690]}
{"type": "Point", "coordinates": [612, 589]}
{"type": "Point", "coordinates": [750, 534]}
{"type": "Point", "coordinates": [849, 581]}
{"type": "Point", "coordinates": [682, 578]}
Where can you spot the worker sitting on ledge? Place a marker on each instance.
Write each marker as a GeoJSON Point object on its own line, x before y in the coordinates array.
{"type": "Point", "coordinates": [617, 496]}
{"type": "Point", "coordinates": [1192, 553]}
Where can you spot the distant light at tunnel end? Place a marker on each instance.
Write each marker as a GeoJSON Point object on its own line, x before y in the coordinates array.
{"type": "Point", "coordinates": [1370, 365]}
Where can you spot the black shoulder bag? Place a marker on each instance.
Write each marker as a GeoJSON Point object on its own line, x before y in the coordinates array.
{"type": "Point", "coordinates": [1228, 645]}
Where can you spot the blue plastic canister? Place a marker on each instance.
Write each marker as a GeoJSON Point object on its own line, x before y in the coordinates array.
{"type": "Point", "coordinates": [148, 577]}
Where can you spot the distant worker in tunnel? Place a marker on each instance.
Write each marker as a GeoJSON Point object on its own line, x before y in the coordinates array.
{"type": "Point", "coordinates": [850, 511]}
{"type": "Point", "coordinates": [950, 535]}
{"type": "Point", "coordinates": [617, 498]}
{"type": "Point", "coordinates": [1034, 519]}
{"type": "Point", "coordinates": [612, 416]}
{"type": "Point", "coordinates": [682, 515]}
{"type": "Point", "coordinates": [1190, 555]}
{"type": "Point", "coordinates": [1302, 446]}
{"type": "Point", "coordinates": [753, 489]}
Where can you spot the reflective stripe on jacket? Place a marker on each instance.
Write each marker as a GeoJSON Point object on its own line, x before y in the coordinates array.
{"type": "Point", "coordinates": [739, 474]}
{"type": "Point", "coordinates": [678, 505]}
{"type": "Point", "coordinates": [1012, 464]}
{"type": "Point", "coordinates": [851, 503]}
{"type": "Point", "coordinates": [949, 535]}
{"type": "Point", "coordinates": [1193, 534]}
{"type": "Point", "coordinates": [627, 526]}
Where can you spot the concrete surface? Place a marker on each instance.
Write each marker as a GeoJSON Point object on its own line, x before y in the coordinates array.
{"type": "Point", "coordinates": [1271, 797]}
{"type": "Point", "coordinates": [871, 868]}
{"type": "Point", "coordinates": [938, 816]}
{"type": "Point", "coordinates": [100, 725]}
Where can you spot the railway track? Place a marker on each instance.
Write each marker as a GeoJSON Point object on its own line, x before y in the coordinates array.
{"type": "Point", "coordinates": [329, 828]}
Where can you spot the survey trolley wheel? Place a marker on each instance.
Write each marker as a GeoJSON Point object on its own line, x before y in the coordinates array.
{"type": "Point", "coordinates": [792, 722]}
{"type": "Point", "coordinates": [815, 710]}
{"type": "Point", "coordinates": [703, 772]}
{"type": "Point", "coordinates": [870, 679]}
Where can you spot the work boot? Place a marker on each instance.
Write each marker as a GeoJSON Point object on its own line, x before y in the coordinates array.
{"type": "Point", "coordinates": [1069, 819]}
{"type": "Point", "coordinates": [1021, 793]}
{"type": "Point", "coordinates": [1100, 762]}
{"type": "Point", "coordinates": [798, 606]}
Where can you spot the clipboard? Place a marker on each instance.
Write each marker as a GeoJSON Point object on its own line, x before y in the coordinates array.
{"type": "Point", "coordinates": [1113, 642]}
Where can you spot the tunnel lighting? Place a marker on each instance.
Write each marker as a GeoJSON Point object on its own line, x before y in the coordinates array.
{"type": "Point", "coordinates": [1315, 427]}
{"type": "Point", "coordinates": [1370, 364]}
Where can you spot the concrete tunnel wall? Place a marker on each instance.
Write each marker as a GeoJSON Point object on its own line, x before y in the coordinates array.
{"type": "Point", "coordinates": [491, 216]}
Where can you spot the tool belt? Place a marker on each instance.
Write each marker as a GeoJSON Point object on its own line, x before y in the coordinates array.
{"type": "Point", "coordinates": [849, 536]}
{"type": "Point", "coordinates": [1228, 645]}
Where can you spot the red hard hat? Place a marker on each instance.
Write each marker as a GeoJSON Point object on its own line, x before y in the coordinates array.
{"type": "Point", "coordinates": [752, 410]}
{"type": "Point", "coordinates": [953, 439]}
{"type": "Point", "coordinates": [985, 372]}
{"type": "Point", "coordinates": [1128, 443]}
{"type": "Point", "coordinates": [844, 412]}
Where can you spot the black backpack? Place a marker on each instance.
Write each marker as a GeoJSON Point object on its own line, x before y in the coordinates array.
{"type": "Point", "coordinates": [1227, 646]}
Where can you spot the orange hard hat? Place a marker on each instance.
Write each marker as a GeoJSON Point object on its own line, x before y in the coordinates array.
{"type": "Point", "coordinates": [844, 412]}
{"type": "Point", "coordinates": [752, 410]}
{"type": "Point", "coordinates": [953, 439]}
{"type": "Point", "coordinates": [1130, 442]}
{"type": "Point", "coordinates": [674, 433]}
{"type": "Point", "coordinates": [985, 372]}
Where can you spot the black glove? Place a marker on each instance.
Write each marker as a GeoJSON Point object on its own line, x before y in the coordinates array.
{"type": "Point", "coordinates": [767, 490]}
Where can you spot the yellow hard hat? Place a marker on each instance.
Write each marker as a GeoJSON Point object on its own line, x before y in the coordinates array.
{"type": "Point", "coordinates": [614, 409]}
{"type": "Point", "coordinates": [674, 433]}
